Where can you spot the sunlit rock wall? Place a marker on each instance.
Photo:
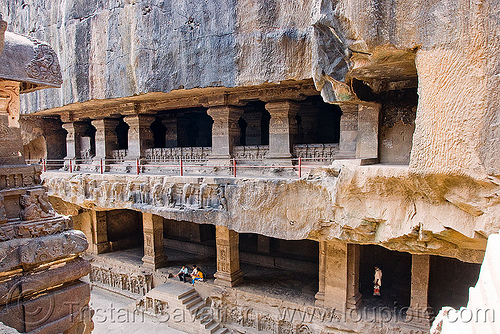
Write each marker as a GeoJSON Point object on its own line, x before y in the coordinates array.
{"type": "Point", "coordinates": [110, 49]}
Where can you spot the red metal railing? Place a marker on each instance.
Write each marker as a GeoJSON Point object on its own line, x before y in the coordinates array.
{"type": "Point", "coordinates": [142, 166]}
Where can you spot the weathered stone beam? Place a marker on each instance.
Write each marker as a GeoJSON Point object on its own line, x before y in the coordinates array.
{"type": "Point", "coordinates": [34, 282]}
{"type": "Point", "coordinates": [31, 252]}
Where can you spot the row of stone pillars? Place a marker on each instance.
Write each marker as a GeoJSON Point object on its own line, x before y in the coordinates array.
{"type": "Point", "coordinates": [338, 265]}
{"type": "Point", "coordinates": [358, 132]}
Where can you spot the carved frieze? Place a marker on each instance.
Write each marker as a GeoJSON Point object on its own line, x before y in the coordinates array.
{"type": "Point", "coordinates": [135, 282]}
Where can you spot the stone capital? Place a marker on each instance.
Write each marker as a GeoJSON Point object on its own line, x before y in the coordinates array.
{"type": "Point", "coordinates": [224, 113]}
{"type": "Point", "coordinates": [9, 101]}
{"type": "Point", "coordinates": [142, 120]}
{"type": "Point", "coordinates": [285, 108]}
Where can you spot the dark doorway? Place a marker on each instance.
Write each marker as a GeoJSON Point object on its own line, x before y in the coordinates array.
{"type": "Point", "coordinates": [396, 276]}
{"type": "Point", "coordinates": [122, 134]}
{"type": "Point", "coordinates": [159, 131]}
{"type": "Point", "coordinates": [449, 282]}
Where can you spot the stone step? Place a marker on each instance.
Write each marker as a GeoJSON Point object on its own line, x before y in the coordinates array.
{"type": "Point", "coordinates": [189, 297]}
{"type": "Point", "coordinates": [193, 302]}
{"type": "Point", "coordinates": [195, 308]}
{"type": "Point", "coordinates": [221, 330]}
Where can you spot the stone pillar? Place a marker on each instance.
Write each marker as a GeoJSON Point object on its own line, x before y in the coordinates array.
{"type": "Point", "coordinates": [367, 142]}
{"type": "Point", "coordinates": [348, 130]}
{"type": "Point", "coordinates": [140, 136]}
{"type": "Point", "coordinates": [308, 130]}
{"type": "Point", "coordinates": [282, 129]}
{"type": "Point", "coordinates": [153, 241]}
{"type": "Point", "coordinates": [228, 257]}
{"type": "Point", "coordinates": [99, 229]}
{"type": "Point", "coordinates": [105, 138]}
{"type": "Point", "coordinates": [170, 124]}
{"type": "Point", "coordinates": [418, 314]}
{"type": "Point", "coordinates": [263, 244]}
{"type": "Point", "coordinates": [335, 275]}
{"type": "Point", "coordinates": [320, 296]}
{"type": "Point", "coordinates": [76, 131]}
{"type": "Point", "coordinates": [11, 144]}
{"type": "Point", "coordinates": [225, 130]}
{"type": "Point", "coordinates": [254, 127]}
{"type": "Point", "coordinates": [353, 294]}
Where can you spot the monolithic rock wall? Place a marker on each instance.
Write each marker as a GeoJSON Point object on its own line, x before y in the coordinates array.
{"type": "Point", "coordinates": [110, 49]}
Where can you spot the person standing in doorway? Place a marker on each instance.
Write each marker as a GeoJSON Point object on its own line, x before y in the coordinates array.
{"type": "Point", "coordinates": [377, 281]}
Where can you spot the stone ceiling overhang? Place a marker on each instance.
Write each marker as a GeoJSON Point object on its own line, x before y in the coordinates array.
{"type": "Point", "coordinates": [33, 63]}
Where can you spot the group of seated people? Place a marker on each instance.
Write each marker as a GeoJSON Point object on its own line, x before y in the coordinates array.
{"type": "Point", "coordinates": [196, 274]}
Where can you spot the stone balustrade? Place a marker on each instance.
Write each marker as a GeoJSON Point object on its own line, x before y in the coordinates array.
{"type": "Point", "coordinates": [316, 152]}
{"type": "Point", "coordinates": [166, 154]}
{"type": "Point", "coordinates": [253, 152]}
{"type": "Point", "coordinates": [119, 155]}
{"type": "Point", "coordinates": [86, 156]}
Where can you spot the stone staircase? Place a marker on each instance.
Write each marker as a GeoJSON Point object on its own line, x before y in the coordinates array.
{"type": "Point", "coordinates": [181, 307]}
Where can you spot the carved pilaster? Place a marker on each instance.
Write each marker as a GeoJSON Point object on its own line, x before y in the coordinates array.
{"type": "Point", "coordinates": [225, 130]}
{"type": "Point", "coordinates": [170, 124]}
{"type": "Point", "coordinates": [282, 128]}
{"type": "Point", "coordinates": [368, 119]}
{"type": "Point", "coordinates": [308, 129]}
{"type": "Point", "coordinates": [100, 243]}
{"type": "Point", "coordinates": [254, 127]}
{"type": "Point", "coordinates": [353, 294]}
{"type": "Point", "coordinates": [10, 134]}
{"type": "Point", "coordinates": [320, 295]}
{"type": "Point", "coordinates": [153, 241]}
{"type": "Point", "coordinates": [106, 140]}
{"type": "Point", "coordinates": [76, 130]}
{"type": "Point", "coordinates": [418, 314]}
{"type": "Point", "coordinates": [348, 129]}
{"type": "Point", "coordinates": [228, 257]}
{"type": "Point", "coordinates": [140, 136]}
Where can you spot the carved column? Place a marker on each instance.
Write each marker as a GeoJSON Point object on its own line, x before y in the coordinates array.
{"type": "Point", "coordinates": [418, 314]}
{"type": "Point", "coordinates": [353, 294]}
{"type": "Point", "coordinates": [76, 130]}
{"type": "Point", "coordinates": [308, 130]}
{"type": "Point", "coordinates": [153, 241]}
{"type": "Point", "coordinates": [140, 136]}
{"type": "Point", "coordinates": [348, 130]}
{"type": "Point", "coordinates": [11, 144]}
{"type": "Point", "coordinates": [170, 124]}
{"type": "Point", "coordinates": [320, 295]}
{"type": "Point", "coordinates": [367, 143]}
{"type": "Point", "coordinates": [228, 257]}
{"type": "Point", "coordinates": [105, 138]}
{"type": "Point", "coordinates": [282, 129]}
{"type": "Point", "coordinates": [254, 127]}
{"type": "Point", "coordinates": [225, 130]}
{"type": "Point", "coordinates": [335, 275]}
{"type": "Point", "coordinates": [99, 230]}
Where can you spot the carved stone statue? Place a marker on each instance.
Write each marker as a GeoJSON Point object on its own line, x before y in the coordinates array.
{"type": "Point", "coordinates": [171, 195]}
{"type": "Point", "coordinates": [156, 195]}
{"type": "Point", "coordinates": [222, 197]}
{"type": "Point", "coordinates": [31, 209]}
{"type": "Point", "coordinates": [187, 191]}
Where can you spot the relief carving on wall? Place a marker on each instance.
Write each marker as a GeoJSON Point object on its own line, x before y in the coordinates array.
{"type": "Point", "coordinates": [44, 66]}
{"type": "Point", "coordinates": [35, 207]}
{"type": "Point", "coordinates": [155, 192]}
